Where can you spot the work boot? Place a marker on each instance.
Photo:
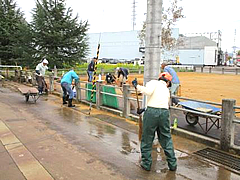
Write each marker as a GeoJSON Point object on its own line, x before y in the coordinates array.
{"type": "Point", "coordinates": [70, 103]}
{"type": "Point", "coordinates": [67, 97]}
{"type": "Point", "coordinates": [173, 168]}
{"type": "Point", "coordinates": [46, 91]}
{"type": "Point", "coordinates": [64, 100]}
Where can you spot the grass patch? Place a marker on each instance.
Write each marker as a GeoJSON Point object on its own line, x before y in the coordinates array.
{"type": "Point", "coordinates": [81, 69]}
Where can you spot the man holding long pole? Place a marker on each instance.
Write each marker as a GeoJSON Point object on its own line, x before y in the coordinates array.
{"type": "Point", "coordinates": [156, 119]}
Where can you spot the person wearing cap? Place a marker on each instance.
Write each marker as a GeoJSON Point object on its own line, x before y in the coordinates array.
{"type": "Point", "coordinates": [156, 119]}
{"type": "Point", "coordinates": [175, 79]}
{"type": "Point", "coordinates": [40, 73]}
{"type": "Point", "coordinates": [91, 68]}
{"type": "Point", "coordinates": [122, 75]}
{"type": "Point", "coordinates": [66, 83]}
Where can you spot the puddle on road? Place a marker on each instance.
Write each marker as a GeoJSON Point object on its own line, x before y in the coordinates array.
{"type": "Point", "coordinates": [128, 146]}
{"type": "Point", "coordinates": [70, 116]}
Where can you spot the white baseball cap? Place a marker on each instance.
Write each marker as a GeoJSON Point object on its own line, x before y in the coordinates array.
{"type": "Point", "coordinates": [45, 61]}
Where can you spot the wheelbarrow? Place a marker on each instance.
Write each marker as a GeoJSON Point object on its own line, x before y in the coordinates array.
{"type": "Point", "coordinates": [193, 118]}
{"type": "Point", "coordinates": [29, 92]}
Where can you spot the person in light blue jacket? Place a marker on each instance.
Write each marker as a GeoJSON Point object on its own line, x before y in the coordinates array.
{"type": "Point", "coordinates": [175, 79]}
{"type": "Point", "coordinates": [66, 83]}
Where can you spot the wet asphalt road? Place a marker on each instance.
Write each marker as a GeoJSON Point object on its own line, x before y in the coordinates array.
{"type": "Point", "coordinates": [117, 147]}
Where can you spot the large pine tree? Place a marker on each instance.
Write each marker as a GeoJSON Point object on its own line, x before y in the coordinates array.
{"type": "Point", "coordinates": [58, 36]}
{"type": "Point", "coordinates": [15, 38]}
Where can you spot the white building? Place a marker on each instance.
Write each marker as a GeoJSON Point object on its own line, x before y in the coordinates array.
{"type": "Point", "coordinates": [197, 50]}
{"type": "Point", "coordinates": [115, 45]}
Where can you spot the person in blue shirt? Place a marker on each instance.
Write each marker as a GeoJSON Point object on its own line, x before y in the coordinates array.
{"type": "Point", "coordinates": [66, 83]}
{"type": "Point", "coordinates": [175, 79]}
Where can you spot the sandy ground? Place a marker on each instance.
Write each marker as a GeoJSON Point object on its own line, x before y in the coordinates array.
{"type": "Point", "coordinates": [203, 86]}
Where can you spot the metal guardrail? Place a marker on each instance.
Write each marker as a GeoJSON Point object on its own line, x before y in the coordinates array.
{"type": "Point", "coordinates": [87, 89]}
{"type": "Point", "coordinates": [236, 121]}
{"type": "Point", "coordinates": [110, 94]}
{"type": "Point", "coordinates": [236, 107]}
{"type": "Point", "coordinates": [221, 70]}
{"type": "Point", "coordinates": [8, 66]}
{"type": "Point", "coordinates": [134, 99]}
{"type": "Point", "coordinates": [208, 102]}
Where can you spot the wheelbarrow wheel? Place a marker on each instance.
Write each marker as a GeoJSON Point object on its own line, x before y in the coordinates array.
{"type": "Point", "coordinates": [192, 119]}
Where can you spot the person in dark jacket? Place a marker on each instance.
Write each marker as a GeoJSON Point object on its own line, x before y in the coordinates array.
{"type": "Point", "coordinates": [122, 75]}
{"type": "Point", "coordinates": [110, 78]}
{"type": "Point", "coordinates": [91, 68]}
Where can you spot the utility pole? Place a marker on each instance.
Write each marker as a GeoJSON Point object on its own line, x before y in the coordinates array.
{"type": "Point", "coordinates": [153, 40]}
{"type": "Point", "coordinates": [234, 47]}
{"type": "Point", "coordinates": [134, 14]}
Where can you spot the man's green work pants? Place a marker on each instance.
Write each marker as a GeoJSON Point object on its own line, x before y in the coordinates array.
{"type": "Point", "coordinates": [156, 119]}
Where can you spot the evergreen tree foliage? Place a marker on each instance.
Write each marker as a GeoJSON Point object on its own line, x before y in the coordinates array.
{"type": "Point", "coordinates": [57, 35]}
{"type": "Point", "coordinates": [15, 38]}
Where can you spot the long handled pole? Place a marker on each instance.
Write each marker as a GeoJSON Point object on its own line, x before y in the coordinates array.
{"type": "Point", "coordinates": [94, 77]}
{"type": "Point", "coordinates": [140, 118]}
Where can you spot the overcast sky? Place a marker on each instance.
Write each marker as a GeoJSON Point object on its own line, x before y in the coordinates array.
{"type": "Point", "coordinates": [116, 15]}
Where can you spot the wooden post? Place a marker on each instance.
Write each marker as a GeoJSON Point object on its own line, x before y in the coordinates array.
{"type": "Point", "coordinates": [33, 79]}
{"type": "Point", "coordinates": [236, 71]}
{"type": "Point", "coordinates": [222, 70]}
{"type": "Point", "coordinates": [210, 70]}
{"type": "Point", "coordinates": [1, 80]}
{"type": "Point", "coordinates": [20, 75]}
{"type": "Point", "coordinates": [201, 69]}
{"type": "Point", "coordinates": [227, 125]}
{"type": "Point", "coordinates": [102, 71]}
{"type": "Point", "coordinates": [7, 73]}
{"type": "Point", "coordinates": [78, 89]}
{"type": "Point", "coordinates": [139, 70]}
{"type": "Point", "coordinates": [55, 71]}
{"type": "Point", "coordinates": [51, 83]}
{"type": "Point", "coordinates": [126, 102]}
{"type": "Point", "coordinates": [194, 69]}
{"type": "Point", "coordinates": [98, 94]}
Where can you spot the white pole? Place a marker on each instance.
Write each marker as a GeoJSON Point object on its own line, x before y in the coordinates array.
{"type": "Point", "coordinates": [153, 41]}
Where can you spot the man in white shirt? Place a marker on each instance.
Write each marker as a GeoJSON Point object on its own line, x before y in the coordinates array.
{"type": "Point", "coordinates": [40, 71]}
{"type": "Point", "coordinates": [156, 119]}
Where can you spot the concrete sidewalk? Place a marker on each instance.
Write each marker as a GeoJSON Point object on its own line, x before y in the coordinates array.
{"type": "Point", "coordinates": [49, 141]}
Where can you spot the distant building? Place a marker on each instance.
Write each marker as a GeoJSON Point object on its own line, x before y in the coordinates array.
{"type": "Point", "coordinates": [115, 45]}
{"type": "Point", "coordinates": [125, 45]}
{"type": "Point", "coordinates": [198, 50]}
